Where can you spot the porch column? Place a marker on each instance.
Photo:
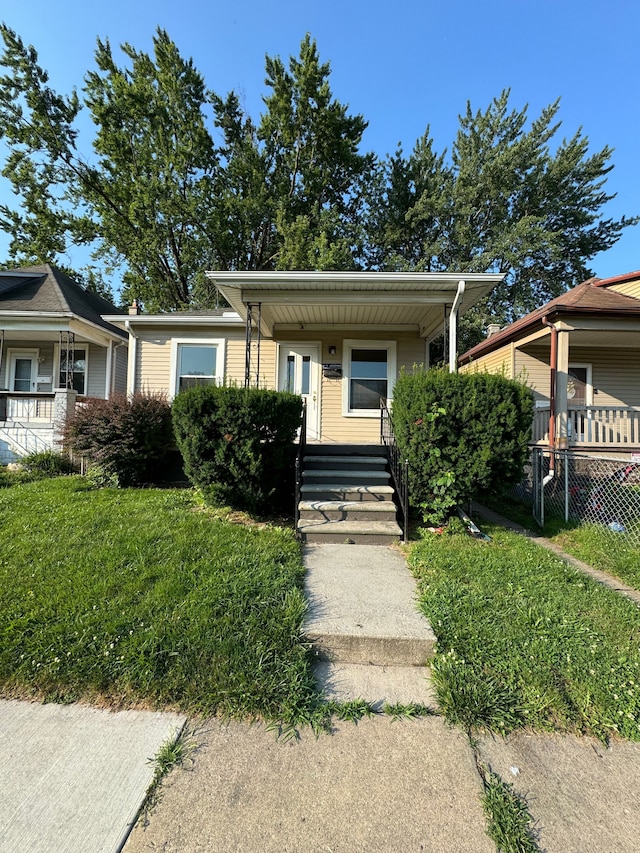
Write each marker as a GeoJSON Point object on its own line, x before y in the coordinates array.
{"type": "Point", "coordinates": [64, 406]}
{"type": "Point", "coordinates": [562, 376]}
{"type": "Point", "coordinates": [108, 372]}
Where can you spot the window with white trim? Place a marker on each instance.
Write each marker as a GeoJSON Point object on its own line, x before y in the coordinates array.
{"type": "Point", "coordinates": [196, 362]}
{"type": "Point", "coordinates": [77, 369]}
{"type": "Point", "coordinates": [370, 369]}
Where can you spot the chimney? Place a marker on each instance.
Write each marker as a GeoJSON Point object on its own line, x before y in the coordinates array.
{"type": "Point", "coordinates": [493, 329]}
{"type": "Point", "coordinates": [134, 308]}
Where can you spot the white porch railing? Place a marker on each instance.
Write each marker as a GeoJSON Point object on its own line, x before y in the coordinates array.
{"type": "Point", "coordinates": [602, 426]}
{"type": "Point", "coordinates": [25, 408]}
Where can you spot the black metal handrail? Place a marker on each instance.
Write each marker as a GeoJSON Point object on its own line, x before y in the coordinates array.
{"type": "Point", "coordinates": [399, 467]}
{"type": "Point", "coordinates": [302, 443]}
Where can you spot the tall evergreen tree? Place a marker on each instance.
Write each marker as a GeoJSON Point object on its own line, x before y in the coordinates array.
{"type": "Point", "coordinates": [504, 201]}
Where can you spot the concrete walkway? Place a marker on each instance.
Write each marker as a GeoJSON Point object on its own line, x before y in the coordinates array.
{"type": "Point", "coordinates": [384, 785]}
{"type": "Point", "coordinates": [364, 625]}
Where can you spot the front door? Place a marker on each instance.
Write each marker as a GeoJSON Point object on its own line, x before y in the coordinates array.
{"type": "Point", "coordinates": [22, 370]}
{"type": "Point", "coordinates": [299, 373]}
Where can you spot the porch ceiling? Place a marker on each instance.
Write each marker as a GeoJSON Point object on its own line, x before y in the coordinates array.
{"type": "Point", "coordinates": [312, 300]}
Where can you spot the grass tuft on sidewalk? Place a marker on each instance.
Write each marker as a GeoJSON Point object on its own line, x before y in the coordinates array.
{"type": "Point", "coordinates": [137, 597]}
{"type": "Point", "coordinates": [526, 641]}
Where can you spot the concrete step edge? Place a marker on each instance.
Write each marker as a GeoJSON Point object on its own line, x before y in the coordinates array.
{"type": "Point", "coordinates": [356, 460]}
{"type": "Point", "coordinates": [374, 650]}
{"type": "Point", "coordinates": [373, 489]}
{"type": "Point", "coordinates": [347, 506]}
{"type": "Point", "coordinates": [347, 527]}
{"type": "Point", "coordinates": [346, 472]}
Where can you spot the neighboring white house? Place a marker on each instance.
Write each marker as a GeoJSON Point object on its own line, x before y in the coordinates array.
{"type": "Point", "coordinates": [55, 347]}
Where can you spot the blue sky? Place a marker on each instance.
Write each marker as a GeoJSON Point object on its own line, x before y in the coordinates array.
{"type": "Point", "coordinates": [403, 65]}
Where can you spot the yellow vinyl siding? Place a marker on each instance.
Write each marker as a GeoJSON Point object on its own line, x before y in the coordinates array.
{"type": "Point", "coordinates": [532, 367]}
{"type": "Point", "coordinates": [153, 362]}
{"type": "Point", "coordinates": [334, 426]}
{"type": "Point", "coordinates": [628, 288]}
{"type": "Point", "coordinates": [494, 362]}
{"type": "Point", "coordinates": [266, 370]}
{"type": "Point", "coordinates": [410, 351]}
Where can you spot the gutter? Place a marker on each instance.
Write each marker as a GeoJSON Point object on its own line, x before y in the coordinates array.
{"type": "Point", "coordinates": [453, 328]}
{"type": "Point", "coordinates": [553, 360]}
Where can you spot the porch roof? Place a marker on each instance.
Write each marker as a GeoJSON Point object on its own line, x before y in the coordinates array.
{"type": "Point", "coordinates": [317, 300]}
{"type": "Point", "coordinates": [588, 301]}
{"type": "Point", "coordinates": [40, 301]}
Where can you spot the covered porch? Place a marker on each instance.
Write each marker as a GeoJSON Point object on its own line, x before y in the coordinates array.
{"type": "Point", "coordinates": [45, 371]}
{"type": "Point", "coordinates": [340, 339]}
{"type": "Point", "coordinates": [593, 397]}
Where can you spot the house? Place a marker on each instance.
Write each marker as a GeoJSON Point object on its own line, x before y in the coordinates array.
{"type": "Point", "coordinates": [55, 349]}
{"type": "Point", "coordinates": [339, 339]}
{"type": "Point", "coordinates": [580, 353]}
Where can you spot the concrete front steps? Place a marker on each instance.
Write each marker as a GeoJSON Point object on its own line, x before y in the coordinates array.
{"type": "Point", "coordinates": [346, 496]}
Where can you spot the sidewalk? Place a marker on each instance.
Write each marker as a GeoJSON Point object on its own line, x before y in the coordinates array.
{"type": "Point", "coordinates": [375, 787]}
{"type": "Point", "coordinates": [72, 778]}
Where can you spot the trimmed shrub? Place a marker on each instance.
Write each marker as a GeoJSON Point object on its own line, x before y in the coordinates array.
{"type": "Point", "coordinates": [127, 437]}
{"type": "Point", "coordinates": [237, 443]}
{"type": "Point", "coordinates": [49, 463]}
{"type": "Point", "coordinates": [463, 434]}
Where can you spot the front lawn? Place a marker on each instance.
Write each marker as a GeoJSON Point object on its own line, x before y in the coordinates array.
{"type": "Point", "coordinates": [524, 640]}
{"type": "Point", "coordinates": [139, 597]}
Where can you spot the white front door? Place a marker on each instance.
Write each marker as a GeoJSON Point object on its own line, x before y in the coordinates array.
{"type": "Point", "coordinates": [23, 366]}
{"type": "Point", "coordinates": [299, 373]}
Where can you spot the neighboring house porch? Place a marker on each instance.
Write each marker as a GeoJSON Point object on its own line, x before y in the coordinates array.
{"type": "Point", "coordinates": [54, 348]}
{"type": "Point", "coordinates": [580, 354]}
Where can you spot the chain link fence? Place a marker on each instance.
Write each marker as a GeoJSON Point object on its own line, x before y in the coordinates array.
{"type": "Point", "coordinates": [589, 489]}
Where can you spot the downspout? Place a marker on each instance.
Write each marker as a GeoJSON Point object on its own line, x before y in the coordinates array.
{"type": "Point", "coordinates": [553, 362]}
{"type": "Point", "coordinates": [453, 328]}
{"type": "Point", "coordinates": [133, 356]}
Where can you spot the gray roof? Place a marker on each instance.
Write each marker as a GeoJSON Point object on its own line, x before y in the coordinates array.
{"type": "Point", "coordinates": [45, 289]}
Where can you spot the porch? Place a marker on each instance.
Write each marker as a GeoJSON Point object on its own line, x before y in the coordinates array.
{"type": "Point", "coordinates": [30, 423]}
{"type": "Point", "coordinates": [604, 428]}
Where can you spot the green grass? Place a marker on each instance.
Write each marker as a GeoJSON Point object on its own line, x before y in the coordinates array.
{"type": "Point", "coordinates": [510, 824]}
{"type": "Point", "coordinates": [595, 544]}
{"type": "Point", "coordinates": [603, 549]}
{"type": "Point", "coordinates": [136, 597]}
{"type": "Point", "coordinates": [524, 640]}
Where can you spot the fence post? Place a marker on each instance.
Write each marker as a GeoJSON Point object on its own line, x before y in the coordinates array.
{"type": "Point", "coordinates": [566, 486]}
